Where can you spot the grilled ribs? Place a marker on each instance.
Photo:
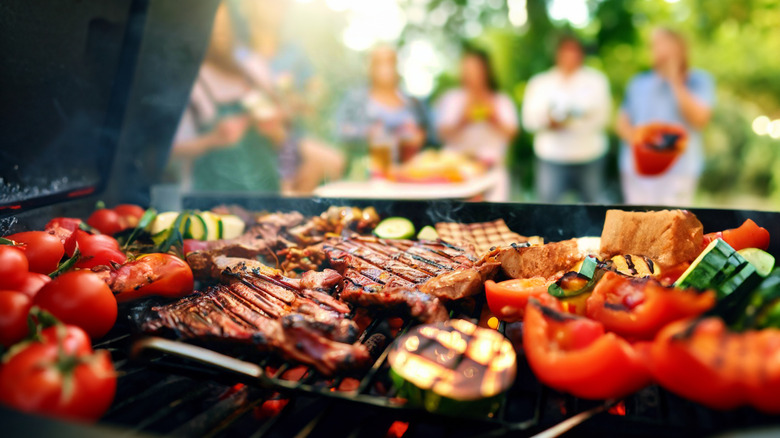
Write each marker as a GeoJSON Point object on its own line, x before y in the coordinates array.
{"type": "Point", "coordinates": [255, 304]}
{"type": "Point", "coordinates": [401, 275]}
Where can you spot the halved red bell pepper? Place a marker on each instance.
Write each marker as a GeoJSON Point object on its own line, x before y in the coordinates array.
{"type": "Point", "coordinates": [705, 362]}
{"type": "Point", "coordinates": [507, 299]}
{"type": "Point", "coordinates": [748, 235]}
{"type": "Point", "coordinates": [638, 308]}
{"type": "Point", "coordinates": [575, 355]}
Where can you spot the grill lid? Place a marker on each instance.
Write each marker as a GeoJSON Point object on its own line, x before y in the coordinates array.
{"type": "Point", "coordinates": [87, 84]}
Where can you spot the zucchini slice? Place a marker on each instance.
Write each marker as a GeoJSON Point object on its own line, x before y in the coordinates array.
{"type": "Point", "coordinates": [428, 233]}
{"type": "Point", "coordinates": [709, 266]}
{"type": "Point", "coordinates": [231, 225]}
{"type": "Point", "coordinates": [395, 228]}
{"type": "Point", "coordinates": [163, 222]}
{"type": "Point", "coordinates": [453, 367]}
{"type": "Point", "coordinates": [213, 223]}
{"type": "Point", "coordinates": [761, 260]}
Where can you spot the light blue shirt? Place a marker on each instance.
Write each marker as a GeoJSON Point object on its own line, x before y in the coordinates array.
{"type": "Point", "coordinates": [649, 98]}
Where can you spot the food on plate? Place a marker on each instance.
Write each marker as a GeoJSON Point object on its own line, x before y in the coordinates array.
{"type": "Point", "coordinates": [441, 270]}
{"type": "Point", "coordinates": [704, 361]}
{"type": "Point", "coordinates": [576, 355]}
{"type": "Point", "coordinates": [395, 228]}
{"type": "Point", "coordinates": [257, 305]}
{"type": "Point", "coordinates": [524, 261]}
{"type": "Point", "coordinates": [427, 233]}
{"type": "Point", "coordinates": [453, 367]}
{"type": "Point", "coordinates": [432, 166]}
{"type": "Point", "coordinates": [657, 146]}
{"type": "Point", "coordinates": [162, 275]}
{"type": "Point", "coordinates": [668, 237]}
{"type": "Point", "coordinates": [80, 298]}
{"type": "Point", "coordinates": [14, 308]}
{"type": "Point", "coordinates": [638, 308]}
{"type": "Point", "coordinates": [747, 235]}
{"type": "Point", "coordinates": [43, 250]}
{"type": "Point", "coordinates": [59, 376]}
{"type": "Point", "coordinates": [508, 299]}
{"type": "Point", "coordinates": [482, 235]}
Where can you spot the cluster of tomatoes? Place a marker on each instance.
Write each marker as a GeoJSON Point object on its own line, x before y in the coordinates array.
{"type": "Point", "coordinates": [59, 290]}
{"type": "Point", "coordinates": [630, 332]}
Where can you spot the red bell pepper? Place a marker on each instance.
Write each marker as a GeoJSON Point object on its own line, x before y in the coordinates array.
{"type": "Point", "coordinates": [748, 235]}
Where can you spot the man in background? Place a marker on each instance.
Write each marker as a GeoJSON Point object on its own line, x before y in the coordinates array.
{"type": "Point", "coordinates": [567, 108]}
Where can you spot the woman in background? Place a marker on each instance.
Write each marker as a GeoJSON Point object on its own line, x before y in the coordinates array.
{"type": "Point", "coordinates": [671, 93]}
{"type": "Point", "coordinates": [478, 120]}
{"type": "Point", "coordinates": [382, 109]}
{"type": "Point", "coordinates": [220, 146]}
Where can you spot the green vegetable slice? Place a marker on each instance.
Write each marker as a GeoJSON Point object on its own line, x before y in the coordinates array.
{"type": "Point", "coordinates": [427, 233]}
{"type": "Point", "coordinates": [395, 228]}
{"type": "Point", "coordinates": [577, 283]}
{"type": "Point", "coordinates": [761, 260]}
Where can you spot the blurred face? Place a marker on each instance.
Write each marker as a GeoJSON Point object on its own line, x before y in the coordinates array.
{"type": "Point", "coordinates": [569, 56]}
{"type": "Point", "coordinates": [472, 74]}
{"type": "Point", "coordinates": [664, 48]}
{"type": "Point", "coordinates": [384, 67]}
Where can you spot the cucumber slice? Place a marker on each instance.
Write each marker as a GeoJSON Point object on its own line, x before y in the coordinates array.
{"type": "Point", "coordinates": [427, 233]}
{"type": "Point", "coordinates": [395, 228]}
{"type": "Point", "coordinates": [232, 226]}
{"type": "Point", "coordinates": [761, 260]}
{"type": "Point", "coordinates": [163, 222]}
{"type": "Point", "coordinates": [708, 265]}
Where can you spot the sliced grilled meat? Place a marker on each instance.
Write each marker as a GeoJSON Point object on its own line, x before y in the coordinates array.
{"type": "Point", "coordinates": [397, 274]}
{"type": "Point", "coordinates": [255, 304]}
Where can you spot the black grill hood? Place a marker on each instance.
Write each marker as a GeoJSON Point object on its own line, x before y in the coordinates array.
{"type": "Point", "coordinates": [91, 94]}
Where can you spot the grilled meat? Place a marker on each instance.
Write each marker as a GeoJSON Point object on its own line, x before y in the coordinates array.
{"type": "Point", "coordinates": [390, 273]}
{"type": "Point", "coordinates": [287, 239]}
{"type": "Point", "coordinates": [255, 304]}
{"type": "Point", "coordinates": [523, 261]}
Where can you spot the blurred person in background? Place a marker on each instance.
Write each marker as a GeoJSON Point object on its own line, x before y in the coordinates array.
{"type": "Point", "coordinates": [478, 120]}
{"type": "Point", "coordinates": [671, 93]}
{"type": "Point", "coordinates": [286, 78]}
{"type": "Point", "coordinates": [567, 109]}
{"type": "Point", "coordinates": [219, 145]}
{"type": "Point", "coordinates": [382, 109]}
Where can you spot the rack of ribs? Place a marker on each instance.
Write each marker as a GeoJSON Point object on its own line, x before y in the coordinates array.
{"type": "Point", "coordinates": [417, 276]}
{"type": "Point", "coordinates": [253, 303]}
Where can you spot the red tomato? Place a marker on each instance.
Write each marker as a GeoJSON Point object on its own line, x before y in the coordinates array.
{"type": "Point", "coordinates": [507, 299]}
{"type": "Point", "coordinates": [32, 283]}
{"type": "Point", "coordinates": [73, 339]}
{"type": "Point", "coordinates": [43, 250]}
{"type": "Point", "coordinates": [106, 221]}
{"type": "Point", "coordinates": [47, 380]}
{"type": "Point", "coordinates": [14, 308]}
{"type": "Point", "coordinates": [748, 235]}
{"type": "Point", "coordinates": [639, 308]}
{"type": "Point", "coordinates": [64, 228]}
{"type": "Point", "coordinates": [705, 362]}
{"type": "Point", "coordinates": [80, 298]}
{"type": "Point", "coordinates": [97, 250]}
{"type": "Point", "coordinates": [191, 245]}
{"type": "Point", "coordinates": [129, 214]}
{"type": "Point", "coordinates": [13, 266]}
{"type": "Point", "coordinates": [153, 274]}
{"type": "Point", "coordinates": [574, 354]}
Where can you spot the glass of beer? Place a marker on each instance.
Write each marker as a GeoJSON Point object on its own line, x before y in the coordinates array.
{"type": "Point", "coordinates": [382, 149]}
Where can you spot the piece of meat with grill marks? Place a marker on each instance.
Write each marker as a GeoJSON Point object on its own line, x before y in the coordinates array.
{"type": "Point", "coordinates": [396, 274]}
{"type": "Point", "coordinates": [257, 304]}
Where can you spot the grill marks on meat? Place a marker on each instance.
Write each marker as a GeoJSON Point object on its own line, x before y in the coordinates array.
{"type": "Point", "coordinates": [411, 278]}
{"type": "Point", "coordinates": [256, 304]}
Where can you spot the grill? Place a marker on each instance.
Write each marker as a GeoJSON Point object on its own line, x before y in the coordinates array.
{"type": "Point", "coordinates": [172, 388]}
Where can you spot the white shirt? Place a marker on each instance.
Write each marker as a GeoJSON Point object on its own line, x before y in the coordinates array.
{"type": "Point", "coordinates": [478, 139]}
{"type": "Point", "coordinates": [581, 102]}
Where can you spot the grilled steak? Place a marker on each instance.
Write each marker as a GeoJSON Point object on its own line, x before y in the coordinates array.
{"type": "Point", "coordinates": [399, 274]}
{"type": "Point", "coordinates": [296, 318]}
